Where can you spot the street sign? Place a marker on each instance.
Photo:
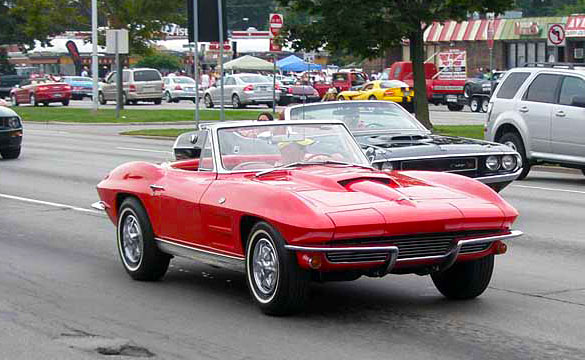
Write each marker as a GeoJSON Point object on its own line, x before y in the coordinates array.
{"type": "Point", "coordinates": [556, 35]}
{"type": "Point", "coordinates": [275, 22]}
{"type": "Point", "coordinates": [122, 35]}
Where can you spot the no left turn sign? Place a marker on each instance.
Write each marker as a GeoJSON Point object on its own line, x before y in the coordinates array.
{"type": "Point", "coordinates": [556, 35]}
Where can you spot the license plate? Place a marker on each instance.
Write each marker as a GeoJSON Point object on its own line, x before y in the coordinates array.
{"type": "Point", "coordinates": [190, 89]}
{"type": "Point", "coordinates": [451, 98]}
{"type": "Point", "coordinates": [58, 95]}
{"type": "Point", "coordinates": [303, 97]}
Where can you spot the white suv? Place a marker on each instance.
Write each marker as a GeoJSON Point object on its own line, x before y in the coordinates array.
{"type": "Point", "coordinates": [539, 111]}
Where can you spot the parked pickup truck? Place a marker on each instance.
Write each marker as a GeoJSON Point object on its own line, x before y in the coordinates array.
{"type": "Point", "coordinates": [7, 82]}
{"type": "Point", "coordinates": [342, 81]}
{"type": "Point", "coordinates": [439, 91]}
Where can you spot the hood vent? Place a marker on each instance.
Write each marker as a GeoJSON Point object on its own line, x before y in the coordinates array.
{"type": "Point", "coordinates": [384, 181]}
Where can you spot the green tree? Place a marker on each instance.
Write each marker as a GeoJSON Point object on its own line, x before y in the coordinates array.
{"type": "Point", "coordinates": [161, 61]}
{"type": "Point", "coordinates": [5, 66]}
{"type": "Point", "coordinates": [571, 7]}
{"type": "Point", "coordinates": [255, 11]}
{"type": "Point", "coordinates": [354, 26]}
{"type": "Point", "coordinates": [23, 21]}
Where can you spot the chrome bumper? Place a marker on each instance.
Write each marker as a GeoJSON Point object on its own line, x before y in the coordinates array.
{"type": "Point", "coordinates": [99, 205]}
{"type": "Point", "coordinates": [499, 178]}
{"type": "Point", "coordinates": [447, 260]}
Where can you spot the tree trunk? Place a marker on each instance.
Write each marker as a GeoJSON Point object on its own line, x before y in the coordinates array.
{"type": "Point", "coordinates": [417, 56]}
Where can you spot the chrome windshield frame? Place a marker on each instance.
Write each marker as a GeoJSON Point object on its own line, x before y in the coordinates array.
{"type": "Point", "coordinates": [215, 128]}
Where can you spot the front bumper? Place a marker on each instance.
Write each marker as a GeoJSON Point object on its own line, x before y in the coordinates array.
{"type": "Point", "coordinates": [386, 258]}
{"type": "Point", "coordinates": [10, 139]}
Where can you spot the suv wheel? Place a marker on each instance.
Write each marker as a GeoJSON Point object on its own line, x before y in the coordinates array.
{"type": "Point", "coordinates": [484, 105]}
{"type": "Point", "coordinates": [454, 107]}
{"type": "Point", "coordinates": [514, 141]}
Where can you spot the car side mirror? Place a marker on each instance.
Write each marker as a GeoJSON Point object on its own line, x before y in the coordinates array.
{"type": "Point", "coordinates": [578, 101]}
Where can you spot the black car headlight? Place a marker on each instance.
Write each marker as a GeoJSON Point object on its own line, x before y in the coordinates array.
{"type": "Point", "coordinates": [509, 162]}
{"type": "Point", "coordinates": [492, 163]}
{"type": "Point", "coordinates": [13, 122]}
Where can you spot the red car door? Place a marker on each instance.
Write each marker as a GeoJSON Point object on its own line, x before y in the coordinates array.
{"type": "Point", "coordinates": [180, 192]}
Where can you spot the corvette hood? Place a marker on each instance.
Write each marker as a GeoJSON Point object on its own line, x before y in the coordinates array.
{"type": "Point", "coordinates": [363, 203]}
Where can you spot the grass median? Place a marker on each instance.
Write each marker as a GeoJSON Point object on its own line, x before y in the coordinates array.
{"type": "Point", "coordinates": [73, 115]}
{"type": "Point", "coordinates": [469, 131]}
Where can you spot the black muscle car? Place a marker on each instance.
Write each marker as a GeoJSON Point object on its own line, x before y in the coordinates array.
{"type": "Point", "coordinates": [394, 139]}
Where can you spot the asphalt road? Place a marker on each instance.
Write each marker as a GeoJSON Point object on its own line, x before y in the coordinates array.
{"type": "Point", "coordinates": [64, 294]}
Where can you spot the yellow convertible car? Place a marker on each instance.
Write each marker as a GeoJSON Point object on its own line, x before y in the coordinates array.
{"type": "Point", "coordinates": [391, 90]}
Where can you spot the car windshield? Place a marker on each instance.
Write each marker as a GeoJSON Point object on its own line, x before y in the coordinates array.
{"type": "Point", "coordinates": [361, 116]}
{"type": "Point", "coordinates": [183, 80]}
{"type": "Point", "coordinates": [266, 147]}
{"type": "Point", "coordinates": [254, 79]}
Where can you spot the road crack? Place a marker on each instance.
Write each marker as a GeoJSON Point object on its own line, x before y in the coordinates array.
{"type": "Point", "coordinates": [542, 296]}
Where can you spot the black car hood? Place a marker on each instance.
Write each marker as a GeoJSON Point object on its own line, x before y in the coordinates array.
{"type": "Point", "coordinates": [399, 146]}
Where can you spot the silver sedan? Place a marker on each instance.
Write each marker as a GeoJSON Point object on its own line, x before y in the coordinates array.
{"type": "Point", "coordinates": [241, 90]}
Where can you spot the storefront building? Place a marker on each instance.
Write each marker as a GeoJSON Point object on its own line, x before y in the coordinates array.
{"type": "Point", "coordinates": [575, 32]}
{"type": "Point", "coordinates": [515, 41]}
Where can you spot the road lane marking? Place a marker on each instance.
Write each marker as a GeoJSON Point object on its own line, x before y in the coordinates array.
{"type": "Point", "coordinates": [549, 189]}
{"type": "Point", "coordinates": [144, 150]}
{"type": "Point", "coordinates": [48, 203]}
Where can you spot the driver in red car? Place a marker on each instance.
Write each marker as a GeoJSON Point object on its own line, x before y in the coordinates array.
{"type": "Point", "coordinates": [293, 151]}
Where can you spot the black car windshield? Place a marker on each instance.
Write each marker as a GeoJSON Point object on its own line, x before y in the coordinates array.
{"type": "Point", "coordinates": [360, 116]}
{"type": "Point", "coordinates": [258, 148]}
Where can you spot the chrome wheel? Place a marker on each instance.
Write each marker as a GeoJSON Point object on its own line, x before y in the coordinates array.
{"type": "Point", "coordinates": [131, 242]}
{"type": "Point", "coordinates": [265, 267]}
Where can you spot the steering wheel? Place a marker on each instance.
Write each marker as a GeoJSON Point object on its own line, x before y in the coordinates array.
{"type": "Point", "coordinates": [311, 157]}
{"type": "Point", "coordinates": [375, 125]}
{"type": "Point", "coordinates": [244, 165]}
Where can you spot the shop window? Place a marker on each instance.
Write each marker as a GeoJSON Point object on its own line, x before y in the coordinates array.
{"type": "Point", "coordinates": [531, 52]}
{"type": "Point", "coordinates": [521, 54]}
{"type": "Point", "coordinates": [541, 52]}
{"type": "Point", "coordinates": [511, 55]}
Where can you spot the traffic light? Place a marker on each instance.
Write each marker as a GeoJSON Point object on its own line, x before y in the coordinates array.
{"type": "Point", "coordinates": [207, 19]}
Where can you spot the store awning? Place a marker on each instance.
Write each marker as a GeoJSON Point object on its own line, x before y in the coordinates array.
{"type": "Point", "coordinates": [504, 29]}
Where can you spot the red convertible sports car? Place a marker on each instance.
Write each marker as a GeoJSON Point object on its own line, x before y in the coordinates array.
{"type": "Point", "coordinates": [292, 202]}
{"type": "Point", "coordinates": [41, 91]}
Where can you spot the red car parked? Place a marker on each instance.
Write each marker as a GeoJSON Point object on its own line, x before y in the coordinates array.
{"type": "Point", "coordinates": [41, 91]}
{"type": "Point", "coordinates": [291, 202]}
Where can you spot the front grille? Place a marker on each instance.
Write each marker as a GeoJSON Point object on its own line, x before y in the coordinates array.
{"type": "Point", "coordinates": [420, 245]}
{"type": "Point", "coordinates": [356, 256]}
{"type": "Point", "coordinates": [473, 248]}
{"type": "Point", "coordinates": [417, 248]}
{"type": "Point", "coordinates": [441, 164]}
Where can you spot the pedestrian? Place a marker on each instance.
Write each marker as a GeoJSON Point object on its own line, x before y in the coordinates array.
{"type": "Point", "coordinates": [205, 81]}
{"type": "Point", "coordinates": [265, 116]}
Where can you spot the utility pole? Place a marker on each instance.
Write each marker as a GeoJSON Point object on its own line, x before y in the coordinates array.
{"type": "Point", "coordinates": [94, 54]}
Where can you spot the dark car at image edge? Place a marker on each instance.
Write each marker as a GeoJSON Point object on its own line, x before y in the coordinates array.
{"type": "Point", "coordinates": [10, 133]}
